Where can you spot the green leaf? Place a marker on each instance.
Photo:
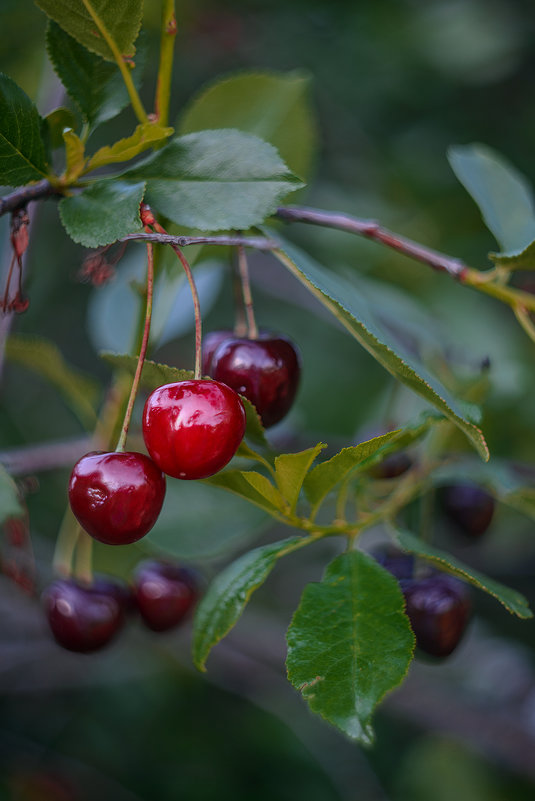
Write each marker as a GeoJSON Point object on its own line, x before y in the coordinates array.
{"type": "Point", "coordinates": [215, 180]}
{"type": "Point", "coordinates": [351, 309]}
{"type": "Point", "coordinates": [55, 123]}
{"type": "Point", "coordinates": [325, 476]}
{"type": "Point", "coordinates": [273, 106]}
{"type": "Point", "coordinates": [74, 154]}
{"type": "Point", "coordinates": [10, 505]}
{"type": "Point", "coordinates": [102, 213]}
{"type": "Point", "coordinates": [252, 486]}
{"type": "Point", "coordinates": [290, 472]}
{"type": "Point", "coordinates": [146, 135]}
{"type": "Point", "coordinates": [95, 85]}
{"type": "Point", "coordinates": [228, 595]}
{"type": "Point", "coordinates": [80, 392]}
{"type": "Point", "coordinates": [85, 19]}
{"type": "Point", "coordinates": [501, 192]}
{"type": "Point", "coordinates": [22, 150]}
{"type": "Point", "coordinates": [522, 260]}
{"type": "Point", "coordinates": [349, 643]}
{"type": "Point", "coordinates": [513, 601]}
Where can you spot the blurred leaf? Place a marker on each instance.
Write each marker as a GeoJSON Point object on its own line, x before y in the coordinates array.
{"type": "Point", "coordinates": [95, 85]}
{"type": "Point", "coordinates": [146, 135]}
{"type": "Point", "coordinates": [55, 123]}
{"type": "Point", "coordinates": [513, 601]}
{"type": "Point", "coordinates": [273, 106]}
{"type": "Point", "coordinates": [22, 150]}
{"type": "Point", "coordinates": [252, 486]}
{"type": "Point", "coordinates": [121, 20]}
{"type": "Point", "coordinates": [351, 309]}
{"type": "Point", "coordinates": [501, 192]}
{"type": "Point", "coordinates": [10, 505]}
{"type": "Point", "coordinates": [349, 643]}
{"type": "Point", "coordinates": [80, 392]}
{"type": "Point", "coordinates": [228, 595]}
{"type": "Point", "coordinates": [102, 213]}
{"type": "Point", "coordinates": [74, 154]}
{"type": "Point", "coordinates": [523, 260]}
{"type": "Point", "coordinates": [215, 180]}
{"type": "Point", "coordinates": [290, 472]}
{"type": "Point", "coordinates": [407, 435]}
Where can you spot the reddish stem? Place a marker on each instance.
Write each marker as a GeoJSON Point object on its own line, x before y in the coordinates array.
{"type": "Point", "coordinates": [246, 290]}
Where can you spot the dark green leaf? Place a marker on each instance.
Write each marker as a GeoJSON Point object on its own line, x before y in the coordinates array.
{"type": "Point", "coordinates": [349, 643]}
{"type": "Point", "coordinates": [290, 472]}
{"type": "Point", "coordinates": [252, 486]}
{"type": "Point", "coordinates": [522, 260]}
{"type": "Point", "coordinates": [95, 85]}
{"type": "Point", "coordinates": [86, 19]}
{"type": "Point", "coordinates": [22, 150]}
{"type": "Point", "coordinates": [273, 106]}
{"type": "Point", "coordinates": [10, 505]}
{"type": "Point", "coordinates": [146, 135]}
{"type": "Point", "coordinates": [228, 595]}
{"type": "Point", "coordinates": [102, 213]}
{"type": "Point", "coordinates": [513, 601]}
{"type": "Point", "coordinates": [351, 309]}
{"type": "Point", "coordinates": [55, 123]}
{"type": "Point", "coordinates": [501, 192]}
{"type": "Point", "coordinates": [215, 180]}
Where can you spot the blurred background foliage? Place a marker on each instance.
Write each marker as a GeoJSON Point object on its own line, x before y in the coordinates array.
{"type": "Point", "coordinates": [394, 83]}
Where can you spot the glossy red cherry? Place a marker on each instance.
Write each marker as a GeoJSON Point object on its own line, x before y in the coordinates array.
{"type": "Point", "coordinates": [265, 370]}
{"type": "Point", "coordinates": [438, 608]}
{"type": "Point", "coordinates": [165, 593]}
{"type": "Point", "coordinates": [116, 497]}
{"type": "Point", "coordinates": [192, 429]}
{"type": "Point", "coordinates": [210, 342]}
{"type": "Point", "coordinates": [85, 618]}
{"type": "Point", "coordinates": [469, 507]}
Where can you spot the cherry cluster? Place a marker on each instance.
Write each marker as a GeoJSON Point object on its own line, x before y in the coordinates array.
{"type": "Point", "coordinates": [86, 617]}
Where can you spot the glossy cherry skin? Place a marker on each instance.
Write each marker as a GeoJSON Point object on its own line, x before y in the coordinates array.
{"type": "Point", "coordinates": [85, 618]}
{"type": "Point", "coordinates": [116, 497]}
{"type": "Point", "coordinates": [210, 342]}
{"type": "Point", "coordinates": [265, 370]}
{"type": "Point", "coordinates": [438, 608]}
{"type": "Point", "coordinates": [192, 429]}
{"type": "Point", "coordinates": [469, 507]}
{"type": "Point", "coordinates": [165, 593]}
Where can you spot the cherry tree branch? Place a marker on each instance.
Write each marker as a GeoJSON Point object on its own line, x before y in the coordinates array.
{"type": "Point", "coordinates": [20, 197]}
{"type": "Point", "coordinates": [257, 242]}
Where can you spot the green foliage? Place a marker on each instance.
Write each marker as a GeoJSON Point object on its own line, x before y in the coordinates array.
{"type": "Point", "coordinates": [55, 123]}
{"type": "Point", "coordinates": [252, 486]}
{"type": "Point", "coordinates": [22, 150]}
{"type": "Point", "coordinates": [145, 136]}
{"type": "Point", "coordinates": [290, 472]}
{"type": "Point", "coordinates": [93, 22]}
{"type": "Point", "coordinates": [10, 505]}
{"type": "Point", "coordinates": [102, 213]}
{"type": "Point", "coordinates": [273, 106]}
{"type": "Point", "coordinates": [215, 180]}
{"type": "Point", "coordinates": [349, 643]}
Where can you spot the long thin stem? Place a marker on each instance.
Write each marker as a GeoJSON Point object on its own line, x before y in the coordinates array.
{"type": "Point", "coordinates": [142, 350]}
{"type": "Point", "coordinates": [135, 100]}
{"type": "Point", "coordinates": [161, 238]}
{"type": "Point", "coordinates": [165, 70]}
{"type": "Point", "coordinates": [523, 317]}
{"type": "Point", "coordinates": [67, 539]}
{"type": "Point", "coordinates": [197, 308]}
{"type": "Point", "coordinates": [240, 323]}
{"type": "Point", "coordinates": [83, 558]}
{"type": "Point", "coordinates": [247, 296]}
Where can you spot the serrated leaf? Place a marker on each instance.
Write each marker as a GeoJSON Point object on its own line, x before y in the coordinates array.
{"type": "Point", "coordinates": [522, 260]}
{"type": "Point", "coordinates": [55, 123]}
{"type": "Point", "coordinates": [252, 486]}
{"type": "Point", "coordinates": [501, 192]}
{"type": "Point", "coordinates": [95, 85]}
{"type": "Point", "coordinates": [349, 643]}
{"type": "Point", "coordinates": [22, 150]}
{"type": "Point", "coordinates": [273, 106]}
{"type": "Point", "coordinates": [228, 595]}
{"type": "Point", "coordinates": [74, 154]}
{"type": "Point", "coordinates": [80, 392]}
{"type": "Point", "coordinates": [102, 213]}
{"type": "Point", "coordinates": [513, 601]}
{"type": "Point", "coordinates": [291, 470]}
{"type": "Point", "coordinates": [146, 135]}
{"type": "Point", "coordinates": [85, 20]}
{"type": "Point", "coordinates": [215, 180]}
{"type": "Point", "coordinates": [349, 306]}
{"type": "Point", "coordinates": [10, 505]}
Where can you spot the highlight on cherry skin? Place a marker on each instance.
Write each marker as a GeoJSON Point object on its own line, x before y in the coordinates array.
{"type": "Point", "coordinates": [266, 370]}
{"type": "Point", "coordinates": [164, 592]}
{"type": "Point", "coordinates": [193, 428]}
{"type": "Point", "coordinates": [116, 497]}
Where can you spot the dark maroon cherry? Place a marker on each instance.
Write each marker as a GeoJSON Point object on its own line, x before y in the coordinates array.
{"type": "Point", "coordinates": [469, 507]}
{"type": "Point", "coordinates": [192, 429]}
{"type": "Point", "coordinates": [165, 593]}
{"type": "Point", "coordinates": [116, 497]}
{"type": "Point", "coordinates": [210, 343]}
{"type": "Point", "coordinates": [392, 466]}
{"type": "Point", "coordinates": [438, 608]}
{"type": "Point", "coordinates": [397, 562]}
{"type": "Point", "coordinates": [265, 370]}
{"type": "Point", "coordinates": [85, 617]}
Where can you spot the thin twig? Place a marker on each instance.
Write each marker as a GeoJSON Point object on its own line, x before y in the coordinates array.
{"type": "Point", "coordinates": [257, 242]}
{"type": "Point", "coordinates": [243, 268]}
{"type": "Point", "coordinates": [524, 318]}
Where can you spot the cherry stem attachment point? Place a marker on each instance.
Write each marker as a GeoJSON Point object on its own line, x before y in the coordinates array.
{"type": "Point", "coordinates": [246, 290]}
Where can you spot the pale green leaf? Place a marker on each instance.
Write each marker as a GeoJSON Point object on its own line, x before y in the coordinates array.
{"type": "Point", "coordinates": [146, 135]}
{"type": "Point", "coordinates": [102, 213]}
{"type": "Point", "coordinates": [10, 505]}
{"type": "Point", "coordinates": [522, 260]}
{"type": "Point", "coordinates": [74, 154]}
{"type": "Point", "coordinates": [290, 472]}
{"type": "Point", "coordinates": [55, 123]}
{"type": "Point", "coordinates": [22, 150]}
{"type": "Point", "coordinates": [252, 486]}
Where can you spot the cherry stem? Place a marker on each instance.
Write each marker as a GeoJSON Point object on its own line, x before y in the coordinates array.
{"type": "Point", "coordinates": [142, 351]}
{"type": "Point", "coordinates": [240, 323]}
{"type": "Point", "coordinates": [8, 282]}
{"type": "Point", "coordinates": [197, 308]}
{"type": "Point", "coordinates": [68, 535]}
{"type": "Point", "coordinates": [83, 558]}
{"type": "Point", "coordinates": [246, 290]}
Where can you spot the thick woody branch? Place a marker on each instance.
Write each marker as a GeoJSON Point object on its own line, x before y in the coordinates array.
{"type": "Point", "coordinates": [20, 197]}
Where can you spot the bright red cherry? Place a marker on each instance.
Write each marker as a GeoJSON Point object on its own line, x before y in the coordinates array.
{"type": "Point", "coordinates": [469, 507]}
{"type": "Point", "coordinates": [165, 593]}
{"type": "Point", "coordinates": [192, 429]}
{"type": "Point", "coordinates": [85, 618]}
{"type": "Point", "coordinates": [438, 608]}
{"type": "Point", "coordinates": [210, 342]}
{"type": "Point", "coordinates": [265, 370]}
{"type": "Point", "coordinates": [116, 497]}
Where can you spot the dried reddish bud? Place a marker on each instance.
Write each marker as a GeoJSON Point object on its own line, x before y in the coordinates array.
{"type": "Point", "coordinates": [19, 232]}
{"type": "Point", "coordinates": [18, 304]}
{"type": "Point", "coordinates": [96, 270]}
{"type": "Point", "coordinates": [147, 217]}
{"type": "Point", "coordinates": [16, 529]}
